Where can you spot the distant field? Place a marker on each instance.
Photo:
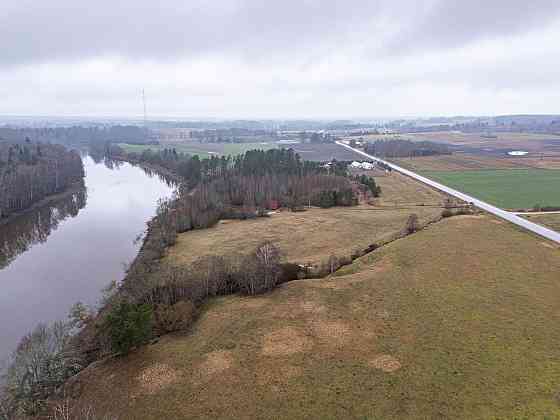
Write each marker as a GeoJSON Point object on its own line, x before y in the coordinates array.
{"type": "Point", "coordinates": [459, 321]}
{"type": "Point", "coordinates": [526, 141]}
{"type": "Point", "coordinates": [509, 189]}
{"type": "Point", "coordinates": [543, 149]}
{"type": "Point", "coordinates": [469, 161]}
{"type": "Point", "coordinates": [316, 152]}
{"type": "Point", "coordinates": [203, 150]}
{"type": "Point", "coordinates": [551, 221]}
{"type": "Point", "coordinates": [324, 152]}
{"type": "Point", "coordinates": [459, 162]}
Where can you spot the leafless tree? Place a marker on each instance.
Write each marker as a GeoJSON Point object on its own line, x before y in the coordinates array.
{"type": "Point", "coordinates": [412, 224]}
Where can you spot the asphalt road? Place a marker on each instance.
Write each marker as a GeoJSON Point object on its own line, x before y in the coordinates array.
{"type": "Point", "coordinates": [503, 214]}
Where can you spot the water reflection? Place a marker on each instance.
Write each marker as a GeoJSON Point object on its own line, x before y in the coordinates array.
{"type": "Point", "coordinates": [35, 226]}
{"type": "Point", "coordinates": [68, 251]}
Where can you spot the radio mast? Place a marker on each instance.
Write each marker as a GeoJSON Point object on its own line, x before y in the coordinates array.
{"type": "Point", "coordinates": [145, 124]}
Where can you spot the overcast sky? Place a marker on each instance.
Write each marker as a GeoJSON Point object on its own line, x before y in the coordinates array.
{"type": "Point", "coordinates": [279, 58]}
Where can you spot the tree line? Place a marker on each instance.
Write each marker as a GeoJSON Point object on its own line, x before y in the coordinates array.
{"type": "Point", "coordinates": [30, 172]}
{"type": "Point", "coordinates": [78, 134]}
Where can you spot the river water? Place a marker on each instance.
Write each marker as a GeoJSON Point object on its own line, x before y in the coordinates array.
{"type": "Point", "coordinates": [69, 249]}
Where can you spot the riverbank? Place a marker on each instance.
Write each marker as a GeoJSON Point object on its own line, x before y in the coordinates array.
{"type": "Point", "coordinates": [76, 187]}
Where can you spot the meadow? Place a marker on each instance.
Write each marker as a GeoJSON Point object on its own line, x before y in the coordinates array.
{"type": "Point", "coordinates": [508, 189]}
{"type": "Point", "coordinates": [312, 236]}
{"type": "Point", "coordinates": [406, 332]}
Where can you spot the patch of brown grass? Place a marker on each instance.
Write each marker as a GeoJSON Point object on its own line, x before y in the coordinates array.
{"type": "Point", "coordinates": [333, 332]}
{"type": "Point", "coordinates": [285, 341]}
{"type": "Point", "coordinates": [386, 363]}
{"type": "Point", "coordinates": [156, 378]}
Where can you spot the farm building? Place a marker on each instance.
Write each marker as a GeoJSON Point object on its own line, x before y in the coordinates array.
{"type": "Point", "coordinates": [362, 165]}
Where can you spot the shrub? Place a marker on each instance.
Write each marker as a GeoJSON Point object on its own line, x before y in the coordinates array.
{"type": "Point", "coordinates": [174, 318]}
{"type": "Point", "coordinates": [412, 224]}
{"type": "Point", "coordinates": [446, 213]}
{"type": "Point", "coordinates": [129, 325]}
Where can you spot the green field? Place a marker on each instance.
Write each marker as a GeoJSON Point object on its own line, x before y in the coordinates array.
{"type": "Point", "coordinates": [508, 189]}
{"type": "Point", "coordinates": [203, 150]}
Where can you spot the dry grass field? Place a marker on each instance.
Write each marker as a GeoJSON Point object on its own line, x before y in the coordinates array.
{"type": "Point", "coordinates": [461, 162]}
{"type": "Point", "coordinates": [525, 141]}
{"type": "Point", "coordinates": [312, 236]}
{"type": "Point", "coordinates": [457, 321]}
{"type": "Point", "coordinates": [472, 162]}
{"type": "Point", "coordinates": [551, 221]}
{"type": "Point", "coordinates": [307, 237]}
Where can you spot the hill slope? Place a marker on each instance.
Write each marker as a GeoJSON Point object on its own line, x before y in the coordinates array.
{"type": "Point", "coordinates": [457, 321]}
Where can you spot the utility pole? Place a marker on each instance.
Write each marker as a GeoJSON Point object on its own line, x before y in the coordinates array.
{"type": "Point", "coordinates": [145, 125]}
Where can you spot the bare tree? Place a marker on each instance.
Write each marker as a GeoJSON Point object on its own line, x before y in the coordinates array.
{"type": "Point", "coordinates": [43, 360]}
{"type": "Point", "coordinates": [412, 224]}
{"type": "Point", "coordinates": [260, 271]}
{"type": "Point", "coordinates": [332, 263]}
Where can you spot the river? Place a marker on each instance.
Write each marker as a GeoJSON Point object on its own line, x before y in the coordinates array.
{"type": "Point", "coordinates": [71, 248]}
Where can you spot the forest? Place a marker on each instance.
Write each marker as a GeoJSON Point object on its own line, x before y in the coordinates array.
{"type": "Point", "coordinates": [405, 148]}
{"type": "Point", "coordinates": [29, 172]}
{"type": "Point", "coordinates": [76, 135]}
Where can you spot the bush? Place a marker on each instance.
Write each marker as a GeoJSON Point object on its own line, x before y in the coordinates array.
{"type": "Point", "coordinates": [174, 318]}
{"type": "Point", "coordinates": [129, 325]}
{"type": "Point", "coordinates": [446, 213]}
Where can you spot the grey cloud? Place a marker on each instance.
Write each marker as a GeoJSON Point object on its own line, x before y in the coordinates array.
{"type": "Point", "coordinates": [37, 31]}
{"type": "Point", "coordinates": [32, 31]}
{"type": "Point", "coordinates": [455, 23]}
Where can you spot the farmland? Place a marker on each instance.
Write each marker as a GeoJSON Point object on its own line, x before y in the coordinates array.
{"type": "Point", "coordinates": [460, 162]}
{"type": "Point", "coordinates": [307, 151]}
{"type": "Point", "coordinates": [404, 332]}
{"type": "Point", "coordinates": [509, 189]}
{"type": "Point", "coordinates": [483, 150]}
{"type": "Point", "coordinates": [497, 141]}
{"type": "Point", "coordinates": [323, 151]}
